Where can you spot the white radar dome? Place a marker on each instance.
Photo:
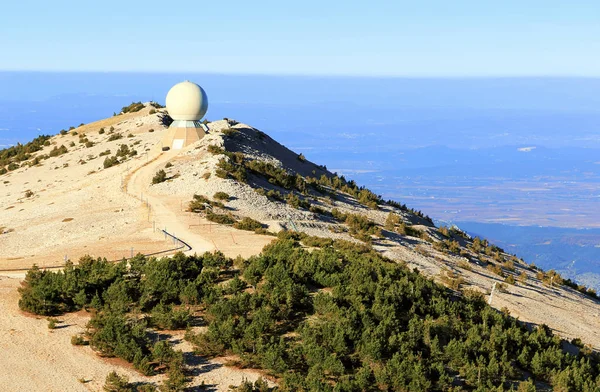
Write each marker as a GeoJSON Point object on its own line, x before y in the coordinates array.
{"type": "Point", "coordinates": [187, 101]}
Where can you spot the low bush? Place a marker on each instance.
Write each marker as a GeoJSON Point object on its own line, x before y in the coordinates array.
{"type": "Point", "coordinates": [510, 279]}
{"type": "Point", "coordinates": [216, 150]}
{"type": "Point", "coordinates": [133, 107]}
{"type": "Point", "coordinates": [52, 323]}
{"type": "Point", "coordinates": [224, 219]}
{"type": "Point", "coordinates": [248, 224]}
{"type": "Point", "coordinates": [496, 269]}
{"type": "Point", "coordinates": [221, 196]}
{"type": "Point", "coordinates": [198, 203]}
{"type": "Point", "coordinates": [115, 136]}
{"type": "Point", "coordinates": [57, 151]}
{"type": "Point", "coordinates": [110, 162]}
{"type": "Point", "coordinates": [78, 340]}
{"type": "Point", "coordinates": [160, 176]}
{"type": "Point", "coordinates": [230, 131]}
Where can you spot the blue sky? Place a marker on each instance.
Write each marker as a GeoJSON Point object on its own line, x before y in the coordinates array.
{"type": "Point", "coordinates": [368, 38]}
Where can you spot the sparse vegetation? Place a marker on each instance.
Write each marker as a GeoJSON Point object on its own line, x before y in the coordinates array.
{"type": "Point", "coordinates": [115, 136]}
{"type": "Point", "coordinates": [248, 224]}
{"type": "Point", "coordinates": [221, 196]}
{"type": "Point", "coordinates": [110, 162]}
{"type": "Point", "coordinates": [224, 219]}
{"type": "Point", "coordinates": [199, 203]}
{"type": "Point", "coordinates": [160, 176]}
{"type": "Point", "coordinates": [510, 279]}
{"type": "Point", "coordinates": [57, 151]}
{"type": "Point", "coordinates": [52, 323]}
{"type": "Point", "coordinates": [133, 107]}
{"type": "Point", "coordinates": [451, 279]}
{"type": "Point", "coordinates": [228, 169]}
{"type": "Point", "coordinates": [230, 131]}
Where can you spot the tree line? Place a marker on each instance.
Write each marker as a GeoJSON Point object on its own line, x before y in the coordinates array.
{"type": "Point", "coordinates": [335, 317]}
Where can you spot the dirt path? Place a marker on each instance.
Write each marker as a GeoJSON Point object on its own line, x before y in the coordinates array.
{"type": "Point", "coordinates": [162, 211]}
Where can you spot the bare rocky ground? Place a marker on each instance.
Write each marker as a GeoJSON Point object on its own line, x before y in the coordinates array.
{"type": "Point", "coordinates": [78, 207]}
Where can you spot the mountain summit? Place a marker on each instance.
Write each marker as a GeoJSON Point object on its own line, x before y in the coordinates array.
{"type": "Point", "coordinates": [110, 189]}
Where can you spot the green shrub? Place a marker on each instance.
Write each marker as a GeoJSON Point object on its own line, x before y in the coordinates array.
{"type": "Point", "coordinates": [116, 383]}
{"type": "Point", "coordinates": [296, 202]}
{"type": "Point", "coordinates": [124, 151]}
{"type": "Point", "coordinates": [133, 107]}
{"type": "Point", "coordinates": [274, 195]}
{"type": "Point", "coordinates": [248, 224]}
{"type": "Point", "coordinates": [220, 218]}
{"type": "Point", "coordinates": [165, 317]}
{"type": "Point", "coordinates": [319, 242]}
{"type": "Point", "coordinates": [52, 323]}
{"type": "Point", "coordinates": [216, 150]}
{"type": "Point", "coordinates": [230, 131]}
{"type": "Point", "coordinates": [160, 176]}
{"type": "Point", "coordinates": [221, 173]}
{"type": "Point", "coordinates": [318, 210]}
{"type": "Point", "coordinates": [78, 340]}
{"type": "Point", "coordinates": [115, 136]}
{"type": "Point", "coordinates": [233, 170]}
{"type": "Point", "coordinates": [198, 203]}
{"type": "Point", "coordinates": [57, 151]}
{"type": "Point", "coordinates": [496, 269]}
{"type": "Point", "coordinates": [221, 196]}
{"type": "Point", "coordinates": [110, 161]}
